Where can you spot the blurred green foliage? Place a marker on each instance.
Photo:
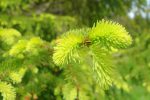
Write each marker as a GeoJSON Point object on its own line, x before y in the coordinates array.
{"type": "Point", "coordinates": [29, 29]}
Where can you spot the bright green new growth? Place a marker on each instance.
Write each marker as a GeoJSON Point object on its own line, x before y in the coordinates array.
{"type": "Point", "coordinates": [8, 92]}
{"type": "Point", "coordinates": [99, 42]}
{"type": "Point", "coordinates": [9, 36]}
{"type": "Point", "coordinates": [16, 77]}
{"type": "Point", "coordinates": [24, 46]}
{"type": "Point", "coordinates": [102, 66]}
{"type": "Point", "coordinates": [66, 50]}
{"type": "Point", "coordinates": [18, 48]}
{"type": "Point", "coordinates": [19, 55]}
{"type": "Point", "coordinates": [85, 55]}
{"type": "Point", "coordinates": [111, 34]}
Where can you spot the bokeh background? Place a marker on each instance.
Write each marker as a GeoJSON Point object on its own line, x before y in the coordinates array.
{"type": "Point", "coordinates": [50, 18]}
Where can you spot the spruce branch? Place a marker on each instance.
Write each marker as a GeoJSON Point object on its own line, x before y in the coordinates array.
{"type": "Point", "coordinates": [98, 42]}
